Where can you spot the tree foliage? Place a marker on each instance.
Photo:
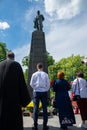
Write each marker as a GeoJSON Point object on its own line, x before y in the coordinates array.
{"type": "Point", "coordinates": [3, 50]}
{"type": "Point", "coordinates": [70, 65]}
{"type": "Point", "coordinates": [50, 60]}
{"type": "Point", "coordinates": [26, 60]}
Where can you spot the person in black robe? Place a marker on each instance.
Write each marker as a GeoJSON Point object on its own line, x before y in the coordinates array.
{"type": "Point", "coordinates": [13, 94]}
{"type": "Point", "coordinates": [63, 102]}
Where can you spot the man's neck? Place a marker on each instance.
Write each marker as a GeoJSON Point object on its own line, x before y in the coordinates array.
{"type": "Point", "coordinates": [10, 59]}
{"type": "Point", "coordinates": [40, 69]}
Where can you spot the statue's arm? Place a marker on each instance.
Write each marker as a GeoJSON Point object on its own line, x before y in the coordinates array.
{"type": "Point", "coordinates": [42, 18]}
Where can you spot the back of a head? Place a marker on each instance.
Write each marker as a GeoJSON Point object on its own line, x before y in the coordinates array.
{"type": "Point", "coordinates": [38, 12]}
{"type": "Point", "coordinates": [80, 74]}
{"type": "Point", "coordinates": [60, 75]}
{"type": "Point", "coordinates": [10, 55]}
{"type": "Point", "coordinates": [39, 66]}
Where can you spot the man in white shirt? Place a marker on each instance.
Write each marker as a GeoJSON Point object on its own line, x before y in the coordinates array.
{"type": "Point", "coordinates": [40, 83]}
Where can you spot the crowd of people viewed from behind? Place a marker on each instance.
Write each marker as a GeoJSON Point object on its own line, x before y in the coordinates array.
{"type": "Point", "coordinates": [14, 95]}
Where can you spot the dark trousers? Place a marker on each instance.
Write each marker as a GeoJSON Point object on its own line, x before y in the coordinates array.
{"type": "Point", "coordinates": [43, 97]}
{"type": "Point", "coordinates": [82, 104]}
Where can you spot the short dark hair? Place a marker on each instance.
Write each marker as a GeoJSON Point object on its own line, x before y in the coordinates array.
{"type": "Point", "coordinates": [10, 55]}
{"type": "Point", "coordinates": [80, 74]}
{"type": "Point", "coordinates": [39, 65]}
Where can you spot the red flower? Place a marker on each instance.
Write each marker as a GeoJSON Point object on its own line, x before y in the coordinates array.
{"type": "Point", "coordinates": [51, 83]}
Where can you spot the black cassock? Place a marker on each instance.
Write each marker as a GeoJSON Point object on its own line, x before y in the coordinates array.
{"type": "Point", "coordinates": [13, 95]}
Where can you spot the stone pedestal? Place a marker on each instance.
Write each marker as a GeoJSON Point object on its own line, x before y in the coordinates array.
{"type": "Point", "coordinates": [37, 54]}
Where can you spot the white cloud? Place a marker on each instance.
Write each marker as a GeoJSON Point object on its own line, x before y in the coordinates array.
{"type": "Point", "coordinates": [66, 37]}
{"type": "Point", "coordinates": [64, 9]}
{"type": "Point", "coordinates": [28, 14]}
{"type": "Point", "coordinates": [20, 53]}
{"type": "Point", "coordinates": [66, 40]}
{"type": "Point", "coordinates": [4, 25]}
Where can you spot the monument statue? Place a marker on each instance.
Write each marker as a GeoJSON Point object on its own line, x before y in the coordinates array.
{"type": "Point", "coordinates": [37, 49]}
{"type": "Point", "coordinates": [38, 21]}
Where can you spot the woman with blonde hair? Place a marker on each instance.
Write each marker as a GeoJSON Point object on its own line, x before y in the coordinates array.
{"type": "Point", "coordinates": [63, 102]}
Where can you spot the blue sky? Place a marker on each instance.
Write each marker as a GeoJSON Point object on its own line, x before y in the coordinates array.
{"type": "Point", "coordinates": [65, 26]}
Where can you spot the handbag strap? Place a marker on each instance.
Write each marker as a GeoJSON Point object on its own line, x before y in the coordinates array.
{"type": "Point", "coordinates": [77, 86]}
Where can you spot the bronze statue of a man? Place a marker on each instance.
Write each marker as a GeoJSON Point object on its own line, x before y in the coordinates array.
{"type": "Point", "coordinates": [38, 21]}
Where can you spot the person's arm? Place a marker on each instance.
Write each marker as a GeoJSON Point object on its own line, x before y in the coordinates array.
{"type": "Point", "coordinates": [73, 86]}
{"type": "Point", "coordinates": [33, 81]}
{"type": "Point", "coordinates": [54, 86]}
{"type": "Point", "coordinates": [68, 86]}
{"type": "Point", "coordinates": [48, 82]}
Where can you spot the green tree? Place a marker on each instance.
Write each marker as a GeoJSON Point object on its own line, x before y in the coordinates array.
{"type": "Point", "coordinates": [26, 60]}
{"type": "Point", "coordinates": [3, 50]}
{"type": "Point", "coordinates": [70, 65]}
{"type": "Point", "coordinates": [50, 60]}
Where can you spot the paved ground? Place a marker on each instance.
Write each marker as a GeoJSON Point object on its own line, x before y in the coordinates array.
{"type": "Point", "coordinates": [53, 123]}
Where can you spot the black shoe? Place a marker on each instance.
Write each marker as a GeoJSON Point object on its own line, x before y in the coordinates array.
{"type": "Point", "coordinates": [45, 127]}
{"type": "Point", "coordinates": [64, 127]}
{"type": "Point", "coordinates": [34, 127]}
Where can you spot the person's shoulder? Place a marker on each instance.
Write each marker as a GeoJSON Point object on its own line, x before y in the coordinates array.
{"type": "Point", "coordinates": [56, 81]}
{"type": "Point", "coordinates": [44, 73]}
{"type": "Point", "coordinates": [83, 79]}
{"type": "Point", "coordinates": [35, 73]}
{"type": "Point", "coordinates": [17, 63]}
{"type": "Point", "coordinates": [65, 80]}
{"type": "Point", "coordinates": [42, 16]}
{"type": "Point", "coordinates": [74, 81]}
{"type": "Point", "coordinates": [2, 62]}
{"type": "Point", "coordinates": [9, 61]}
{"type": "Point", "coordinates": [14, 64]}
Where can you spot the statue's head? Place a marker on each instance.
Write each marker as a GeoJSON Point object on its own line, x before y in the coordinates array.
{"type": "Point", "coordinates": [38, 12]}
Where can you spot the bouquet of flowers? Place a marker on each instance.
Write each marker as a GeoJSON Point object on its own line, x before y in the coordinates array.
{"type": "Point", "coordinates": [30, 106]}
